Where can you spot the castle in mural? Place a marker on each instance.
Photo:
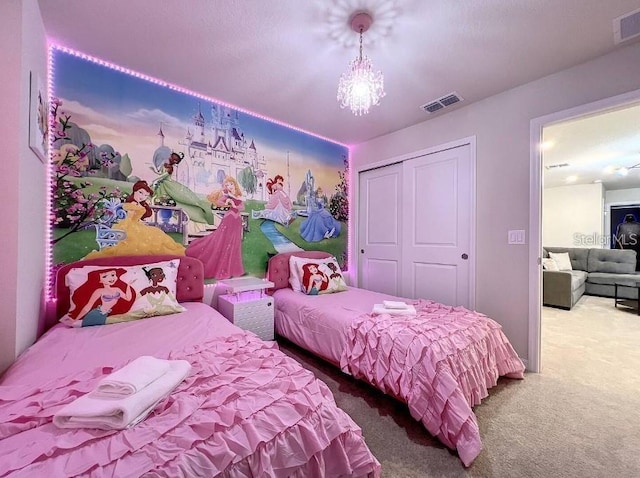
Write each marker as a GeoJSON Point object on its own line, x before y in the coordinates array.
{"type": "Point", "coordinates": [216, 149]}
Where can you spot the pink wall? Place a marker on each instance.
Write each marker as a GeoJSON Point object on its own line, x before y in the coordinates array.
{"type": "Point", "coordinates": [22, 182]}
{"type": "Point", "coordinates": [32, 190]}
{"type": "Point", "coordinates": [10, 38]}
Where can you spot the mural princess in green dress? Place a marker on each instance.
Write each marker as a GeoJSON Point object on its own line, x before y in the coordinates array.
{"type": "Point", "coordinates": [198, 209]}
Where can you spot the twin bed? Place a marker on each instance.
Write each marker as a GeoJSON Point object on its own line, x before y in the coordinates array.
{"type": "Point", "coordinates": [440, 362]}
{"type": "Point", "coordinates": [245, 409]}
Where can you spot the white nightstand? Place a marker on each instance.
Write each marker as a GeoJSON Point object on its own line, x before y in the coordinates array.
{"type": "Point", "coordinates": [246, 305]}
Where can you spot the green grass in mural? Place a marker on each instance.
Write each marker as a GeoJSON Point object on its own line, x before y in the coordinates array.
{"type": "Point", "coordinates": [77, 245]}
{"type": "Point", "coordinates": [256, 252]}
{"type": "Point", "coordinates": [255, 245]}
{"type": "Point", "coordinates": [73, 247]}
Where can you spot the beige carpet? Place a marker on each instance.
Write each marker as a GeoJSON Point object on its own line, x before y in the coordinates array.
{"type": "Point", "coordinates": [580, 417]}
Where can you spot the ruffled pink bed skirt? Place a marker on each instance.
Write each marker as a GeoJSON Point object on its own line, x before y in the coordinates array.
{"type": "Point", "coordinates": [245, 410]}
{"type": "Point", "coordinates": [441, 363]}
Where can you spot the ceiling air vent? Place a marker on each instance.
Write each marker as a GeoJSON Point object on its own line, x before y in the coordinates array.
{"type": "Point", "coordinates": [441, 103]}
{"type": "Point", "coordinates": [433, 107]}
{"type": "Point", "coordinates": [449, 100]}
{"type": "Point", "coordinates": [627, 27]}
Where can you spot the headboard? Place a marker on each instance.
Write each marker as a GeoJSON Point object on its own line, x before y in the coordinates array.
{"type": "Point", "coordinates": [189, 287]}
{"type": "Point", "coordinates": [278, 267]}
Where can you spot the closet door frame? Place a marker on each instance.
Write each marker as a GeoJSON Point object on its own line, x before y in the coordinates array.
{"type": "Point", "coordinates": [355, 211]}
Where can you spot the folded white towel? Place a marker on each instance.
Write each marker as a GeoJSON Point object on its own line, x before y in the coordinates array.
{"type": "Point", "coordinates": [132, 378]}
{"type": "Point", "coordinates": [381, 309]}
{"type": "Point", "coordinates": [90, 411]}
{"type": "Point", "coordinates": [393, 304]}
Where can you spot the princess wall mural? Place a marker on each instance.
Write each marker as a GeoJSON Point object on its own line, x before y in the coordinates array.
{"type": "Point", "coordinates": [140, 167]}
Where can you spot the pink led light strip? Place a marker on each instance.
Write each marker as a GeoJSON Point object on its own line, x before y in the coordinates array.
{"type": "Point", "coordinates": [49, 286]}
{"type": "Point", "coordinates": [49, 289]}
{"type": "Point", "coordinates": [186, 91]}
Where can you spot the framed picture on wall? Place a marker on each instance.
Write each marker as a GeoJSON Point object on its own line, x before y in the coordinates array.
{"type": "Point", "coordinates": [38, 117]}
{"type": "Point", "coordinates": [625, 228]}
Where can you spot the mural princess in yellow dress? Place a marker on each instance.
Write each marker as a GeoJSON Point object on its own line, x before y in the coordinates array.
{"type": "Point", "coordinates": [141, 238]}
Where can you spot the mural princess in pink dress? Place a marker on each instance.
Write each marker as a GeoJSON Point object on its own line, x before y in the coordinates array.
{"type": "Point", "coordinates": [221, 251]}
{"type": "Point", "coordinates": [279, 207]}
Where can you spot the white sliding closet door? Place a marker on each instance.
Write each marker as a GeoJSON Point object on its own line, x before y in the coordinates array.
{"type": "Point", "coordinates": [436, 233]}
{"type": "Point", "coordinates": [414, 227]}
{"type": "Point", "coordinates": [379, 250]}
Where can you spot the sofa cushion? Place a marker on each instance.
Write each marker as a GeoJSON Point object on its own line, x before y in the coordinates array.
{"type": "Point", "coordinates": [615, 261]}
{"type": "Point", "coordinates": [578, 278]}
{"type": "Point", "coordinates": [607, 278]}
{"type": "Point", "coordinates": [577, 255]}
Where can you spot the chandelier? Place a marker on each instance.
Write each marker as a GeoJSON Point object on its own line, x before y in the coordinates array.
{"type": "Point", "coordinates": [360, 87]}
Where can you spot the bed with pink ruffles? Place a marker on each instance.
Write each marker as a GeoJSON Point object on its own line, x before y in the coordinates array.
{"type": "Point", "coordinates": [440, 362]}
{"type": "Point", "coordinates": [245, 409]}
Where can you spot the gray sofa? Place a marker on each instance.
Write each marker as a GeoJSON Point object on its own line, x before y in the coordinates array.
{"type": "Point", "coordinates": [595, 272]}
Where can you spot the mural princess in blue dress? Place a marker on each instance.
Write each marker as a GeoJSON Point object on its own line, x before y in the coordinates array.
{"type": "Point", "coordinates": [320, 224]}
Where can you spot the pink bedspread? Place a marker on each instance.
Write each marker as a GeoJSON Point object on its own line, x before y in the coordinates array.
{"type": "Point", "coordinates": [319, 323]}
{"type": "Point", "coordinates": [246, 409]}
{"type": "Point", "coordinates": [441, 363]}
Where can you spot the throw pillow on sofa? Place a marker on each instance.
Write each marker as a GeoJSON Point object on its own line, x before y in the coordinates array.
{"type": "Point", "coordinates": [562, 259]}
{"type": "Point", "coordinates": [549, 264]}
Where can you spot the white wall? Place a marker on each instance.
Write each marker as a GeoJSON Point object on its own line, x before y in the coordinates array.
{"type": "Point", "coordinates": [622, 196]}
{"type": "Point", "coordinates": [501, 125]}
{"type": "Point", "coordinates": [22, 182]}
{"type": "Point", "coordinates": [572, 216]}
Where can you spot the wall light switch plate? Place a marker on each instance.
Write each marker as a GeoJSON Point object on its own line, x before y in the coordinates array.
{"type": "Point", "coordinates": [517, 237]}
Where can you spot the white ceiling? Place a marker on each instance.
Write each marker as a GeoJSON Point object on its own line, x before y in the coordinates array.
{"type": "Point", "coordinates": [594, 148]}
{"type": "Point", "coordinates": [283, 58]}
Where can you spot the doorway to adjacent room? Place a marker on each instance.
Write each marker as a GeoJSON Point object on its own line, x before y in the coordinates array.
{"type": "Point", "coordinates": [585, 167]}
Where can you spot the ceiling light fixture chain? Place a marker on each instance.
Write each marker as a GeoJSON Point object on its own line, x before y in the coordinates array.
{"type": "Point", "coordinates": [360, 87]}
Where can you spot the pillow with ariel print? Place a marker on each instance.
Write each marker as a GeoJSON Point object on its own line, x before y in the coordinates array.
{"type": "Point", "coordinates": [316, 276]}
{"type": "Point", "coordinates": [103, 295]}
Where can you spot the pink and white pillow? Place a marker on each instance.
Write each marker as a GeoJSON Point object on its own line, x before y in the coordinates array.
{"type": "Point", "coordinates": [315, 276]}
{"type": "Point", "coordinates": [110, 294]}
